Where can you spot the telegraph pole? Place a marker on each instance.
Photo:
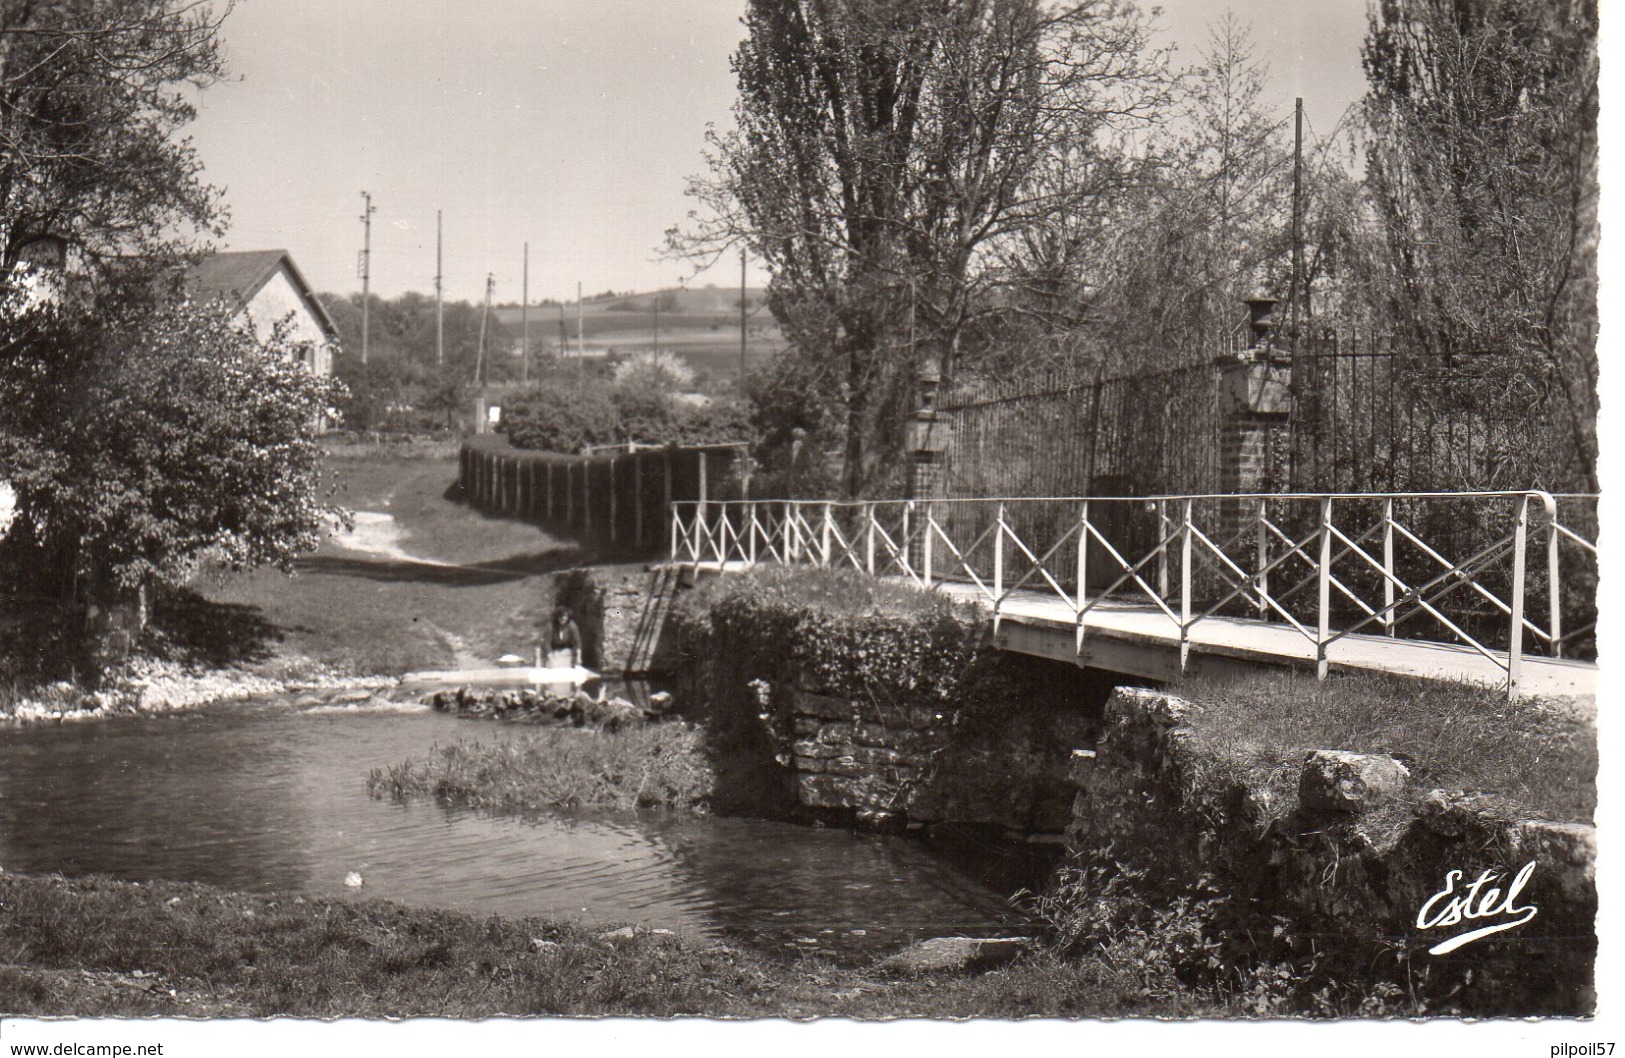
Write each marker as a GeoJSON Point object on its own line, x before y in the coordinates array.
{"type": "Point", "coordinates": [581, 339]}
{"type": "Point", "coordinates": [439, 303]}
{"type": "Point", "coordinates": [1297, 222]}
{"type": "Point", "coordinates": [524, 320]}
{"type": "Point", "coordinates": [657, 319]}
{"type": "Point", "coordinates": [741, 321]}
{"type": "Point", "coordinates": [366, 265]}
{"type": "Point", "coordinates": [485, 315]}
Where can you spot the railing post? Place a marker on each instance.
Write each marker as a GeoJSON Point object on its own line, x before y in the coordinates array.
{"type": "Point", "coordinates": [750, 541]}
{"type": "Point", "coordinates": [1554, 586]}
{"type": "Point", "coordinates": [1162, 552]}
{"type": "Point", "coordinates": [998, 569]}
{"type": "Point", "coordinates": [1388, 621]}
{"type": "Point", "coordinates": [676, 520]}
{"type": "Point", "coordinates": [1324, 578]}
{"type": "Point", "coordinates": [927, 551]}
{"type": "Point", "coordinates": [1261, 556]}
{"type": "Point", "coordinates": [824, 535]}
{"type": "Point", "coordinates": [1520, 542]}
{"type": "Point", "coordinates": [903, 541]}
{"type": "Point", "coordinates": [869, 539]}
{"type": "Point", "coordinates": [1185, 588]}
{"type": "Point", "coordinates": [1083, 571]}
{"type": "Point", "coordinates": [787, 554]}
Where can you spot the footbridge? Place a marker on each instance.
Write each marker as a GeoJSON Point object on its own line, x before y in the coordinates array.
{"type": "Point", "coordinates": [1495, 588]}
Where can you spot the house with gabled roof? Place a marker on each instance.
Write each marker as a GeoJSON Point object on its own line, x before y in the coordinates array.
{"type": "Point", "coordinates": [261, 288]}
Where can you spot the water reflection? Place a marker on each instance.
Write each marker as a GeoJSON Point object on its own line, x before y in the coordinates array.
{"type": "Point", "coordinates": [261, 797]}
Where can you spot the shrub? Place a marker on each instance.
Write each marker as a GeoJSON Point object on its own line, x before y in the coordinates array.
{"type": "Point", "coordinates": [556, 416]}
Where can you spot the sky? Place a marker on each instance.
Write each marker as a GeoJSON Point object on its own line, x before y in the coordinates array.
{"type": "Point", "coordinates": [568, 124]}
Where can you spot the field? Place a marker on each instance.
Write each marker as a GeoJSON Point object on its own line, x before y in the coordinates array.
{"type": "Point", "coordinates": [423, 582]}
{"type": "Point", "coordinates": [700, 325]}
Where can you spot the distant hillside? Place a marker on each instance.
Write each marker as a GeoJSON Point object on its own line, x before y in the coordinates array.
{"type": "Point", "coordinates": [700, 324]}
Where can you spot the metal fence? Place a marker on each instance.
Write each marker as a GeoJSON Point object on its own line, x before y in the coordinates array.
{"type": "Point", "coordinates": [1363, 418]}
{"type": "Point", "coordinates": [1327, 566]}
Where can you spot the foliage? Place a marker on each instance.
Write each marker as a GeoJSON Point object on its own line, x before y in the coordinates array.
{"type": "Point", "coordinates": [1455, 736]}
{"type": "Point", "coordinates": [92, 93]}
{"type": "Point", "coordinates": [557, 416]}
{"type": "Point", "coordinates": [206, 952]}
{"type": "Point", "coordinates": [654, 766]}
{"type": "Point", "coordinates": [661, 370]}
{"type": "Point", "coordinates": [838, 630]}
{"type": "Point", "coordinates": [403, 385]}
{"type": "Point", "coordinates": [637, 407]}
{"type": "Point", "coordinates": [1482, 170]}
{"type": "Point", "coordinates": [150, 438]}
{"type": "Point", "coordinates": [882, 148]}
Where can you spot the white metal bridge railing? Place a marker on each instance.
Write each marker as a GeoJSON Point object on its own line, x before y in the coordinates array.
{"type": "Point", "coordinates": [1327, 565]}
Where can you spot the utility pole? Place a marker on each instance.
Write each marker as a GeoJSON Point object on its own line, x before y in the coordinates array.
{"type": "Point", "coordinates": [581, 340]}
{"type": "Point", "coordinates": [741, 321]}
{"type": "Point", "coordinates": [524, 321]}
{"type": "Point", "coordinates": [657, 319]}
{"type": "Point", "coordinates": [1297, 223]}
{"type": "Point", "coordinates": [366, 266]}
{"type": "Point", "coordinates": [439, 302]}
{"type": "Point", "coordinates": [485, 315]}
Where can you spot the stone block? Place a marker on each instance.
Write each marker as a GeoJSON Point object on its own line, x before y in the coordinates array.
{"type": "Point", "coordinates": [1565, 852]}
{"type": "Point", "coordinates": [954, 954]}
{"type": "Point", "coordinates": [825, 707]}
{"type": "Point", "coordinates": [1081, 767]}
{"type": "Point", "coordinates": [1339, 781]}
{"type": "Point", "coordinates": [814, 749]}
{"type": "Point", "coordinates": [828, 791]}
{"type": "Point", "coordinates": [871, 735]}
{"type": "Point", "coordinates": [807, 726]}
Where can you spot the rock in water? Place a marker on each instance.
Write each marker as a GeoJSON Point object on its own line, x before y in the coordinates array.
{"type": "Point", "coordinates": [353, 880]}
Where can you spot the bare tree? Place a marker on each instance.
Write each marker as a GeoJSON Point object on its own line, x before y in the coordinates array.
{"type": "Point", "coordinates": [883, 149]}
{"type": "Point", "coordinates": [1483, 175]}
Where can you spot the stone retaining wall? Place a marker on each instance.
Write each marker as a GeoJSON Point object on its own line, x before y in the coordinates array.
{"type": "Point", "coordinates": [1339, 878]}
{"type": "Point", "coordinates": [991, 749]}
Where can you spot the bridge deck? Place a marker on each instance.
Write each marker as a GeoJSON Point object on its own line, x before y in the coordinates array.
{"type": "Point", "coordinates": [1142, 641]}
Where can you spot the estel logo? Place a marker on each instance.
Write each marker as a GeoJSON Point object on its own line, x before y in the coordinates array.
{"type": "Point", "coordinates": [1480, 900]}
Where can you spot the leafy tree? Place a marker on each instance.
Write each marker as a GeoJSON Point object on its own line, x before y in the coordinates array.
{"type": "Point", "coordinates": [92, 93]}
{"type": "Point", "coordinates": [402, 372]}
{"type": "Point", "coordinates": [1482, 168]}
{"type": "Point", "coordinates": [147, 439]}
{"type": "Point", "coordinates": [143, 438]}
{"type": "Point", "coordinates": [882, 148]}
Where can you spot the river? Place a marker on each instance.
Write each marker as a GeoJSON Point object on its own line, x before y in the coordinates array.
{"type": "Point", "coordinates": [264, 797]}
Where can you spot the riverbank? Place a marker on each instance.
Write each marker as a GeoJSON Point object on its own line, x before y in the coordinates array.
{"type": "Point", "coordinates": [420, 582]}
{"type": "Point", "coordinates": [100, 948]}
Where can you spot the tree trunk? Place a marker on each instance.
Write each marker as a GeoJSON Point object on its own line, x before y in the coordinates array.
{"type": "Point", "coordinates": [114, 620]}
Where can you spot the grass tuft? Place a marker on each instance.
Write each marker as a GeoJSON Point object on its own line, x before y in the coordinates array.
{"type": "Point", "coordinates": [658, 766]}
{"type": "Point", "coordinates": [1542, 755]}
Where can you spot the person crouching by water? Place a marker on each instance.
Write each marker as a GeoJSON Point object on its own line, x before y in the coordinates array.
{"type": "Point", "coordinates": [564, 641]}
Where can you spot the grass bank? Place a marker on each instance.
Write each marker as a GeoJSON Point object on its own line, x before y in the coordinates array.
{"type": "Point", "coordinates": [658, 766]}
{"type": "Point", "coordinates": [100, 948]}
{"type": "Point", "coordinates": [1540, 755]}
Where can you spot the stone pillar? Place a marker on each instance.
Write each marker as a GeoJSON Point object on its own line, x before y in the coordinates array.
{"type": "Point", "coordinates": [927, 443]}
{"type": "Point", "coordinates": [1255, 409]}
